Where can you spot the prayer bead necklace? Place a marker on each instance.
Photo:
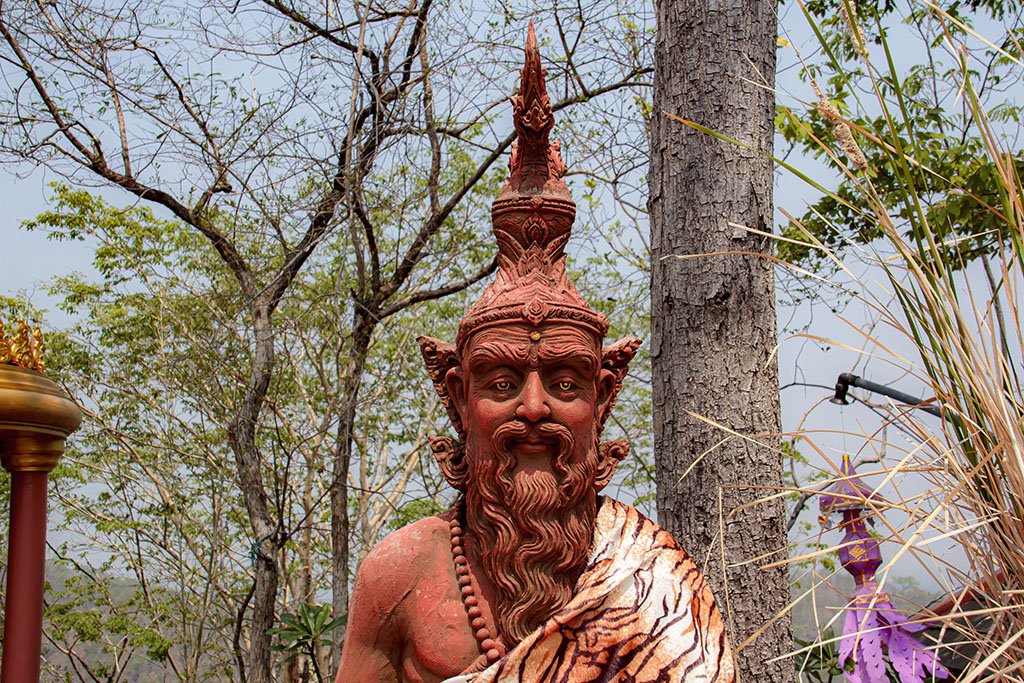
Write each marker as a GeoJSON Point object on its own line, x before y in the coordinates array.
{"type": "Point", "coordinates": [490, 644]}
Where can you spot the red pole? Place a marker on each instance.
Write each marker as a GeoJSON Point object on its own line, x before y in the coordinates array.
{"type": "Point", "coordinates": [26, 566]}
{"type": "Point", "coordinates": [35, 419]}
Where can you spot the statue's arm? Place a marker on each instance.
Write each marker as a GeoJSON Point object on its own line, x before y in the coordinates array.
{"type": "Point", "coordinates": [372, 637]}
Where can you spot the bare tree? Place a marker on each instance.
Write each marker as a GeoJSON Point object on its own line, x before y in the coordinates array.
{"type": "Point", "coordinates": [271, 128]}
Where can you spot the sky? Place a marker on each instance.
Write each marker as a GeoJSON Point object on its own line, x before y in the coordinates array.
{"type": "Point", "coordinates": [28, 260]}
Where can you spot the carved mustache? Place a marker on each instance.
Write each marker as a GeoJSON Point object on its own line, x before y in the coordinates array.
{"type": "Point", "coordinates": [516, 430]}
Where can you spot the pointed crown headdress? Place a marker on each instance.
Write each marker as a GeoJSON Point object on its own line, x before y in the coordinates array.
{"type": "Point", "coordinates": [532, 220]}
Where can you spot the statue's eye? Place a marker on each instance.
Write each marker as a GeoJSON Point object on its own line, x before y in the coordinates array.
{"type": "Point", "coordinates": [503, 385]}
{"type": "Point", "coordinates": [565, 385]}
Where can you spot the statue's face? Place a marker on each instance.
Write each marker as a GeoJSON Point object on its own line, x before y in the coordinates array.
{"type": "Point", "coordinates": [524, 385]}
{"type": "Point", "coordinates": [531, 402]}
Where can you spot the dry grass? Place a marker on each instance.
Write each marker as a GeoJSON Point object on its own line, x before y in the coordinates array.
{"type": "Point", "coordinates": [966, 330]}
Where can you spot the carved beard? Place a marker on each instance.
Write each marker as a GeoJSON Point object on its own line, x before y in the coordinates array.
{"type": "Point", "coordinates": [534, 529]}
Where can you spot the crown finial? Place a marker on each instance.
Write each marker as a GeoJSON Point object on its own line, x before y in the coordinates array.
{"type": "Point", "coordinates": [532, 220]}
{"type": "Point", "coordinates": [24, 349]}
{"type": "Point", "coordinates": [535, 161]}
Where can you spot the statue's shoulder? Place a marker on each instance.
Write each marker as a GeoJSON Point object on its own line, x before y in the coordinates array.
{"type": "Point", "coordinates": [403, 558]}
{"type": "Point", "coordinates": [424, 536]}
{"type": "Point", "coordinates": [388, 582]}
{"type": "Point", "coordinates": [622, 525]}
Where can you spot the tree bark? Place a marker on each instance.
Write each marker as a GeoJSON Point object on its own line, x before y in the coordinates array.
{"type": "Point", "coordinates": [713, 318]}
{"type": "Point", "coordinates": [242, 439]}
{"type": "Point", "coordinates": [363, 326]}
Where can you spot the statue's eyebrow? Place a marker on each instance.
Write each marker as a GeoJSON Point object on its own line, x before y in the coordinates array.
{"type": "Point", "coordinates": [559, 355]}
{"type": "Point", "coordinates": [492, 354]}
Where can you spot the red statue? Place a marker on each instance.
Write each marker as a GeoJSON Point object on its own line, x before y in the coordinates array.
{"type": "Point", "coordinates": [533, 574]}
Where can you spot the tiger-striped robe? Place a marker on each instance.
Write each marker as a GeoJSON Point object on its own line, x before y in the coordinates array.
{"type": "Point", "coordinates": [641, 612]}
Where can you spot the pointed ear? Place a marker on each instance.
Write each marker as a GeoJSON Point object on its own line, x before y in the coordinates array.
{"type": "Point", "coordinates": [441, 357]}
{"type": "Point", "coordinates": [610, 454]}
{"type": "Point", "coordinates": [615, 358]}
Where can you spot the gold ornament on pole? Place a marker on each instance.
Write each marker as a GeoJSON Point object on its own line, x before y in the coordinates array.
{"type": "Point", "coordinates": [25, 349]}
{"type": "Point", "coordinates": [35, 419]}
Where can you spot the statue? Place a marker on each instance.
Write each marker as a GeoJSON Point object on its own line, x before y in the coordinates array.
{"type": "Point", "coordinates": [533, 574]}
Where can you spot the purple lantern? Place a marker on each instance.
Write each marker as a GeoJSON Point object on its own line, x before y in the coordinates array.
{"type": "Point", "coordinates": [871, 621]}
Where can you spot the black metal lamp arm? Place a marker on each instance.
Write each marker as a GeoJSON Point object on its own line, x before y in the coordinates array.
{"type": "Point", "coordinates": [847, 380]}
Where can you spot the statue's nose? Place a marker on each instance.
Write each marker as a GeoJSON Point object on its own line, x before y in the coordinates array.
{"type": "Point", "coordinates": [533, 400]}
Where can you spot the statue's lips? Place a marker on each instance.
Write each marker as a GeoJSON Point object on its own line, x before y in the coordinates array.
{"type": "Point", "coordinates": [532, 446]}
{"type": "Point", "coordinates": [533, 454]}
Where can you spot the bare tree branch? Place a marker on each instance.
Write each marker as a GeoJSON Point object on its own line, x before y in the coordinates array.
{"type": "Point", "coordinates": [447, 290]}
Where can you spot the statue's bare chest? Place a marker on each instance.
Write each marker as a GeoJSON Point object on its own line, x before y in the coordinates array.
{"type": "Point", "coordinates": [439, 642]}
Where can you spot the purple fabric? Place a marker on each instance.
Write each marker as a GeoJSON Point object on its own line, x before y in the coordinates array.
{"type": "Point", "coordinates": [871, 621]}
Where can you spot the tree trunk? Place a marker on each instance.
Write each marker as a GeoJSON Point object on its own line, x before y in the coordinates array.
{"type": "Point", "coordinates": [363, 331]}
{"type": "Point", "coordinates": [713, 318]}
{"type": "Point", "coordinates": [242, 439]}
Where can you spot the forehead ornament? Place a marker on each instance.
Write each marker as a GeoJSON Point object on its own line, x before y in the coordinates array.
{"type": "Point", "coordinates": [536, 311]}
{"type": "Point", "coordinates": [535, 335]}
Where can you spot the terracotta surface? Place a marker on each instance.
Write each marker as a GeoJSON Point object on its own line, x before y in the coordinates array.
{"type": "Point", "coordinates": [528, 387]}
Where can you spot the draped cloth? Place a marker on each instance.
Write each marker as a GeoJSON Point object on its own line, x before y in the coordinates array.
{"type": "Point", "coordinates": [641, 611]}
